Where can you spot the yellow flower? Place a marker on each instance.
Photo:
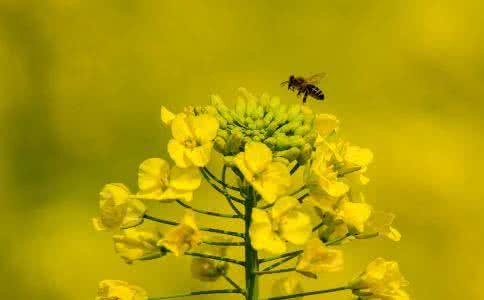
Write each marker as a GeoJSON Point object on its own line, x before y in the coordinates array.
{"type": "Point", "coordinates": [354, 214]}
{"type": "Point", "coordinates": [325, 124]}
{"type": "Point", "coordinates": [183, 237]}
{"type": "Point", "coordinates": [166, 116]}
{"type": "Point", "coordinates": [269, 178]}
{"type": "Point", "coordinates": [287, 286]}
{"type": "Point", "coordinates": [120, 290]}
{"type": "Point", "coordinates": [134, 243]}
{"type": "Point", "coordinates": [381, 280]}
{"type": "Point", "coordinates": [381, 222]}
{"type": "Point", "coordinates": [285, 222]}
{"type": "Point", "coordinates": [205, 269]}
{"type": "Point", "coordinates": [317, 257]}
{"type": "Point", "coordinates": [157, 181]}
{"type": "Point", "coordinates": [192, 141]}
{"type": "Point", "coordinates": [117, 209]}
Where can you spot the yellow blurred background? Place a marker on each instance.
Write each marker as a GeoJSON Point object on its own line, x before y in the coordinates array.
{"type": "Point", "coordinates": [81, 84]}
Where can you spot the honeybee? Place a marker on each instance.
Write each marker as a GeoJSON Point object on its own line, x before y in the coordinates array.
{"type": "Point", "coordinates": [306, 86]}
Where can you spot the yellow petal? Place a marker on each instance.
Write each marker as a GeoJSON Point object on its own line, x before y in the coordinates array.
{"type": "Point", "coordinates": [394, 234]}
{"type": "Point", "coordinates": [283, 205]}
{"type": "Point", "coordinates": [205, 128]}
{"type": "Point", "coordinates": [326, 124]}
{"type": "Point", "coordinates": [295, 227]}
{"type": "Point", "coordinates": [274, 182]}
{"type": "Point", "coordinates": [358, 156]}
{"type": "Point", "coordinates": [260, 216]}
{"type": "Point", "coordinates": [263, 238]}
{"type": "Point", "coordinates": [166, 116]}
{"type": "Point", "coordinates": [287, 286]}
{"type": "Point", "coordinates": [240, 162]}
{"type": "Point", "coordinates": [257, 157]}
{"type": "Point", "coordinates": [174, 194]}
{"type": "Point", "coordinates": [355, 214]}
{"type": "Point", "coordinates": [187, 179]}
{"type": "Point", "coordinates": [153, 175]}
{"type": "Point", "coordinates": [200, 156]}
{"type": "Point", "coordinates": [180, 129]}
{"type": "Point", "coordinates": [177, 153]}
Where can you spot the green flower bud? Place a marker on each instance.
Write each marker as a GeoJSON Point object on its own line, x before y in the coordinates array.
{"type": "Point", "coordinates": [291, 154]}
{"type": "Point", "coordinates": [220, 145]}
{"type": "Point", "coordinates": [293, 112]}
{"type": "Point", "coordinates": [305, 155]}
{"type": "Point", "coordinates": [240, 107]}
{"type": "Point", "coordinates": [302, 130]}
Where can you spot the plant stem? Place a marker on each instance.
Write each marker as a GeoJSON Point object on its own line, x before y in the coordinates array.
{"type": "Point", "coordinates": [271, 258]}
{"type": "Point", "coordinates": [277, 264]}
{"type": "Point", "coordinates": [318, 226]}
{"type": "Point", "coordinates": [276, 271]}
{"type": "Point", "coordinates": [206, 212]}
{"type": "Point", "coordinates": [214, 257]}
{"type": "Point", "coordinates": [214, 230]}
{"type": "Point", "coordinates": [309, 293]}
{"type": "Point", "coordinates": [222, 182]}
{"type": "Point", "coordinates": [294, 169]}
{"type": "Point", "coordinates": [198, 293]}
{"type": "Point", "coordinates": [227, 195]}
{"type": "Point", "coordinates": [251, 261]}
{"type": "Point", "coordinates": [299, 190]}
{"type": "Point", "coordinates": [224, 243]}
{"type": "Point", "coordinates": [218, 189]}
{"type": "Point", "coordinates": [233, 283]}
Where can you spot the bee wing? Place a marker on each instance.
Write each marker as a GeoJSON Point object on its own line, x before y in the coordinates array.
{"type": "Point", "coordinates": [315, 79]}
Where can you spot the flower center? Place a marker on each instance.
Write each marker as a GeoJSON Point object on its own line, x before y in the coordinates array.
{"type": "Point", "coordinates": [190, 143]}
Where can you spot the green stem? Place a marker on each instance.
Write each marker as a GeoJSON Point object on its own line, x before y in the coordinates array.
{"type": "Point", "coordinates": [315, 228]}
{"type": "Point", "coordinates": [309, 293]}
{"type": "Point", "coordinates": [277, 264]}
{"type": "Point", "coordinates": [294, 169]}
{"type": "Point", "coordinates": [299, 190]}
{"type": "Point", "coordinates": [271, 258]}
{"type": "Point", "coordinates": [206, 212]}
{"type": "Point", "coordinates": [224, 243]}
{"type": "Point", "coordinates": [218, 189]}
{"type": "Point", "coordinates": [198, 293]}
{"type": "Point", "coordinates": [222, 182]}
{"type": "Point", "coordinates": [214, 257]}
{"type": "Point", "coordinates": [227, 195]}
{"type": "Point", "coordinates": [214, 230]}
{"type": "Point", "coordinates": [275, 271]}
{"type": "Point", "coordinates": [251, 261]}
{"type": "Point", "coordinates": [233, 283]}
{"type": "Point", "coordinates": [344, 172]}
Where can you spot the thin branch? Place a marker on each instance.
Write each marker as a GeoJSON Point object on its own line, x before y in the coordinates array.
{"type": "Point", "coordinates": [214, 257]}
{"type": "Point", "coordinates": [344, 172]}
{"type": "Point", "coordinates": [227, 195]}
{"type": "Point", "coordinates": [233, 283]}
{"type": "Point", "coordinates": [267, 206]}
{"type": "Point", "coordinates": [275, 271]}
{"type": "Point", "coordinates": [309, 293]}
{"type": "Point", "coordinates": [294, 169]}
{"type": "Point", "coordinates": [230, 187]}
{"type": "Point", "coordinates": [271, 258]}
{"type": "Point", "coordinates": [218, 189]}
{"type": "Point", "coordinates": [206, 212]}
{"type": "Point", "coordinates": [224, 243]}
{"type": "Point", "coordinates": [315, 228]}
{"type": "Point", "coordinates": [283, 261]}
{"type": "Point", "coordinates": [198, 293]}
{"type": "Point", "coordinates": [214, 230]}
{"type": "Point", "coordinates": [299, 190]}
{"type": "Point", "coordinates": [300, 199]}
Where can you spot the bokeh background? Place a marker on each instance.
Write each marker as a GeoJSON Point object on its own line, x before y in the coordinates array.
{"type": "Point", "coordinates": [81, 84]}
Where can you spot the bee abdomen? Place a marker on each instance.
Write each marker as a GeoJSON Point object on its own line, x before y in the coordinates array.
{"type": "Point", "coordinates": [315, 92]}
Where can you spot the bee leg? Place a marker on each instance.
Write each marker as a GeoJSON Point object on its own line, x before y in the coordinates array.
{"type": "Point", "coordinates": [305, 97]}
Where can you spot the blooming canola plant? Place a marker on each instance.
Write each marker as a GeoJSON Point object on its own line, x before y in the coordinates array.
{"type": "Point", "coordinates": [264, 146]}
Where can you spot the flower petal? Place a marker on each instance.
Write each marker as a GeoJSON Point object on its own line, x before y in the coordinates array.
{"type": "Point", "coordinates": [166, 116]}
{"type": "Point", "coordinates": [257, 157]}
{"type": "Point", "coordinates": [283, 205]}
{"type": "Point", "coordinates": [295, 227]}
{"type": "Point", "coordinates": [180, 128]}
{"type": "Point", "coordinates": [205, 128]}
{"type": "Point", "coordinates": [177, 153]}
{"type": "Point", "coordinates": [200, 156]}
{"type": "Point", "coordinates": [153, 175]}
{"type": "Point", "coordinates": [274, 182]}
{"type": "Point", "coordinates": [187, 179]}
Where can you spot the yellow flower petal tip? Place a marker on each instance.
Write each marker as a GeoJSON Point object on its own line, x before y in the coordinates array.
{"type": "Point", "coordinates": [120, 290]}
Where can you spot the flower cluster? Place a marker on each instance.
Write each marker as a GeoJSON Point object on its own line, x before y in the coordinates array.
{"type": "Point", "coordinates": [264, 146]}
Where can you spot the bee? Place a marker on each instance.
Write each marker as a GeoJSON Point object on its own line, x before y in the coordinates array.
{"type": "Point", "coordinates": [306, 86]}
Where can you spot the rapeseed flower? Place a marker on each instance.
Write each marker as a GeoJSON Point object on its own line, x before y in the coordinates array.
{"type": "Point", "coordinates": [317, 257]}
{"type": "Point", "coordinates": [119, 290]}
{"type": "Point", "coordinates": [183, 237]}
{"type": "Point", "coordinates": [134, 243]}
